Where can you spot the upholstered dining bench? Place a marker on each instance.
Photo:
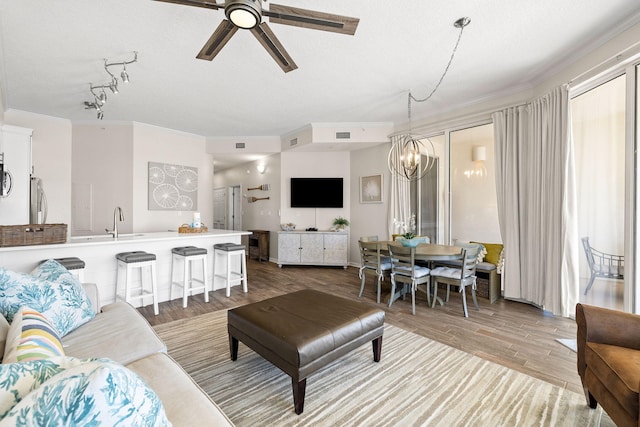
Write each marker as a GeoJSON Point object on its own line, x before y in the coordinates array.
{"type": "Point", "coordinates": [304, 331]}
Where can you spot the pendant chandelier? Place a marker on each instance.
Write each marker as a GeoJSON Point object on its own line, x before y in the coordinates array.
{"type": "Point", "coordinates": [412, 156]}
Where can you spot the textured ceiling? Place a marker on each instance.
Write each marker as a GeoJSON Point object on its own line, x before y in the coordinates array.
{"type": "Point", "coordinates": [52, 50]}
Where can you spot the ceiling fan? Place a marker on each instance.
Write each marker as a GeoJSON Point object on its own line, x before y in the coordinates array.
{"type": "Point", "coordinates": [247, 14]}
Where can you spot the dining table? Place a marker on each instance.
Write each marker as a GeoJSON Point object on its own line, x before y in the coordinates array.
{"type": "Point", "coordinates": [428, 252]}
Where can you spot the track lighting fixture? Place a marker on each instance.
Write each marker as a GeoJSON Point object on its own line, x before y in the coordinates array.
{"type": "Point", "coordinates": [98, 91]}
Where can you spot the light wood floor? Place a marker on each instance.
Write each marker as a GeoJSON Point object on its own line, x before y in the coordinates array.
{"type": "Point", "coordinates": [512, 334]}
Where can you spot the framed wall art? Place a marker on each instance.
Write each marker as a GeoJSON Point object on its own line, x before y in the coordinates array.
{"type": "Point", "coordinates": [371, 189]}
{"type": "Point", "coordinates": [172, 187]}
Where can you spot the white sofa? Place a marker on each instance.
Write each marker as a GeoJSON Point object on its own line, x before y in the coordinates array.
{"type": "Point", "coordinates": [119, 332]}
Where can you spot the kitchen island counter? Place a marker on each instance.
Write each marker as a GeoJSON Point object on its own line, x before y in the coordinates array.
{"type": "Point", "coordinates": [98, 253]}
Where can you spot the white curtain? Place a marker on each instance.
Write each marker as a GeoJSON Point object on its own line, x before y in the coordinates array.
{"type": "Point", "coordinates": [400, 205]}
{"type": "Point", "coordinates": [537, 203]}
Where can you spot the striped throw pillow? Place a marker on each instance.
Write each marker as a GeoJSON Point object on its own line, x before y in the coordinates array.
{"type": "Point", "coordinates": [31, 337]}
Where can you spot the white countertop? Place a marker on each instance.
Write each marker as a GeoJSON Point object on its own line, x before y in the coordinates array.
{"type": "Point", "coordinates": [105, 239]}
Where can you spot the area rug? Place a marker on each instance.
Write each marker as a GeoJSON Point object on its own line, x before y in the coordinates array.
{"type": "Point", "coordinates": [418, 382]}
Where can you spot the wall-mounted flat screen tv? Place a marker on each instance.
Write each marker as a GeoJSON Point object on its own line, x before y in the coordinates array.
{"type": "Point", "coordinates": [316, 193]}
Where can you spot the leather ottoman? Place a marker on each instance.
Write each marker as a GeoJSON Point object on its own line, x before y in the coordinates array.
{"type": "Point", "coordinates": [304, 331]}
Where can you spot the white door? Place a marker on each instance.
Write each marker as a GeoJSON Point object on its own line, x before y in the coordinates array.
{"type": "Point", "coordinates": [234, 212]}
{"type": "Point", "coordinates": [219, 208]}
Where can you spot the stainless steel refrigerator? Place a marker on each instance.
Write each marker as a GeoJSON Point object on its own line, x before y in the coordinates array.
{"type": "Point", "coordinates": [38, 206]}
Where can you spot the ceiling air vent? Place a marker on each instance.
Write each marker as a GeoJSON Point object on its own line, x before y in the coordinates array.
{"type": "Point", "coordinates": [239, 145]}
{"type": "Point", "coordinates": [293, 142]}
{"type": "Point", "coordinates": [343, 135]}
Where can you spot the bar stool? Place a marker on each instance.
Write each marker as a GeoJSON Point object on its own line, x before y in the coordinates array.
{"type": "Point", "coordinates": [228, 250]}
{"type": "Point", "coordinates": [74, 265]}
{"type": "Point", "coordinates": [189, 255]}
{"type": "Point", "coordinates": [127, 262]}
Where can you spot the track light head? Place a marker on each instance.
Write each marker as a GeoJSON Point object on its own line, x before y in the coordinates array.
{"type": "Point", "coordinates": [124, 75]}
{"type": "Point", "coordinates": [114, 85]}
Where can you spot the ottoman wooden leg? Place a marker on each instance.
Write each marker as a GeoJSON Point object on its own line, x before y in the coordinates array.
{"type": "Point", "coordinates": [233, 347]}
{"type": "Point", "coordinates": [299, 388]}
{"type": "Point", "coordinates": [377, 348]}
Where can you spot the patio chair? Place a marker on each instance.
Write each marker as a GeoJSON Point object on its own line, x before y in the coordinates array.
{"type": "Point", "coordinates": [602, 264]}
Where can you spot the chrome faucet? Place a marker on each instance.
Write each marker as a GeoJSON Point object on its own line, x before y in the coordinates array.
{"type": "Point", "coordinates": [118, 215]}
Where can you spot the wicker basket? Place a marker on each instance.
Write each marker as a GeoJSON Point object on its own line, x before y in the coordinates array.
{"type": "Point", "coordinates": [32, 234]}
{"type": "Point", "coordinates": [186, 228]}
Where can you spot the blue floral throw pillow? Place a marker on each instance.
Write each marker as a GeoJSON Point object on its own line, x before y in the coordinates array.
{"type": "Point", "coordinates": [68, 391]}
{"type": "Point", "coordinates": [50, 290]}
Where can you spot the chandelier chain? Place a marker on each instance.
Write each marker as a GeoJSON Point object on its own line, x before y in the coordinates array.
{"type": "Point", "coordinates": [411, 157]}
{"type": "Point", "coordinates": [453, 54]}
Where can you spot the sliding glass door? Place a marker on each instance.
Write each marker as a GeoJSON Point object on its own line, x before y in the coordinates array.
{"type": "Point", "coordinates": [603, 117]}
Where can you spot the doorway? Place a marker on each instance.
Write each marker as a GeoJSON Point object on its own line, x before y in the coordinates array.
{"type": "Point", "coordinates": [234, 213]}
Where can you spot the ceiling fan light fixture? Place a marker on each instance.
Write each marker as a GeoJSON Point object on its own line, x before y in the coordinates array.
{"type": "Point", "coordinates": [244, 13]}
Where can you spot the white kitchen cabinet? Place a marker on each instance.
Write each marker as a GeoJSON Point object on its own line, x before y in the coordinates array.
{"type": "Point", "coordinates": [311, 248]}
{"type": "Point", "coordinates": [16, 146]}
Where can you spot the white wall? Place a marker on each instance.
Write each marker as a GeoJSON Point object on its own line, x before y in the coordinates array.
{"type": "Point", "coordinates": [311, 165]}
{"type": "Point", "coordinates": [155, 144]}
{"type": "Point", "coordinates": [474, 206]}
{"type": "Point", "coordinates": [368, 219]}
{"type": "Point", "coordinates": [261, 214]}
{"type": "Point", "coordinates": [102, 178]}
{"type": "Point", "coordinates": [1, 105]}
{"type": "Point", "coordinates": [51, 159]}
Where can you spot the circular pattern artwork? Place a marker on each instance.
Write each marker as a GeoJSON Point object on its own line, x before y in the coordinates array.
{"type": "Point", "coordinates": [172, 187]}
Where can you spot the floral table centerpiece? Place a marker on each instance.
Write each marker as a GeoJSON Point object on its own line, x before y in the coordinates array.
{"type": "Point", "coordinates": [408, 230]}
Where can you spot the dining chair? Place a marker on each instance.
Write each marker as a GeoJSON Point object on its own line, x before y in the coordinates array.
{"type": "Point", "coordinates": [460, 277]}
{"type": "Point", "coordinates": [373, 263]}
{"type": "Point", "coordinates": [602, 264]}
{"type": "Point", "coordinates": [405, 271]}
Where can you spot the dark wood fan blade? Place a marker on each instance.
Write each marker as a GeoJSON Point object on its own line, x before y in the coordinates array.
{"type": "Point", "coordinates": [197, 3]}
{"type": "Point", "coordinates": [270, 42]}
{"type": "Point", "coordinates": [288, 15]}
{"type": "Point", "coordinates": [218, 39]}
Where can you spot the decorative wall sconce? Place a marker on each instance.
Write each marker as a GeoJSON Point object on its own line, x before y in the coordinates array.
{"type": "Point", "coordinates": [98, 91]}
{"type": "Point", "coordinates": [261, 167]}
{"type": "Point", "coordinates": [478, 157]}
